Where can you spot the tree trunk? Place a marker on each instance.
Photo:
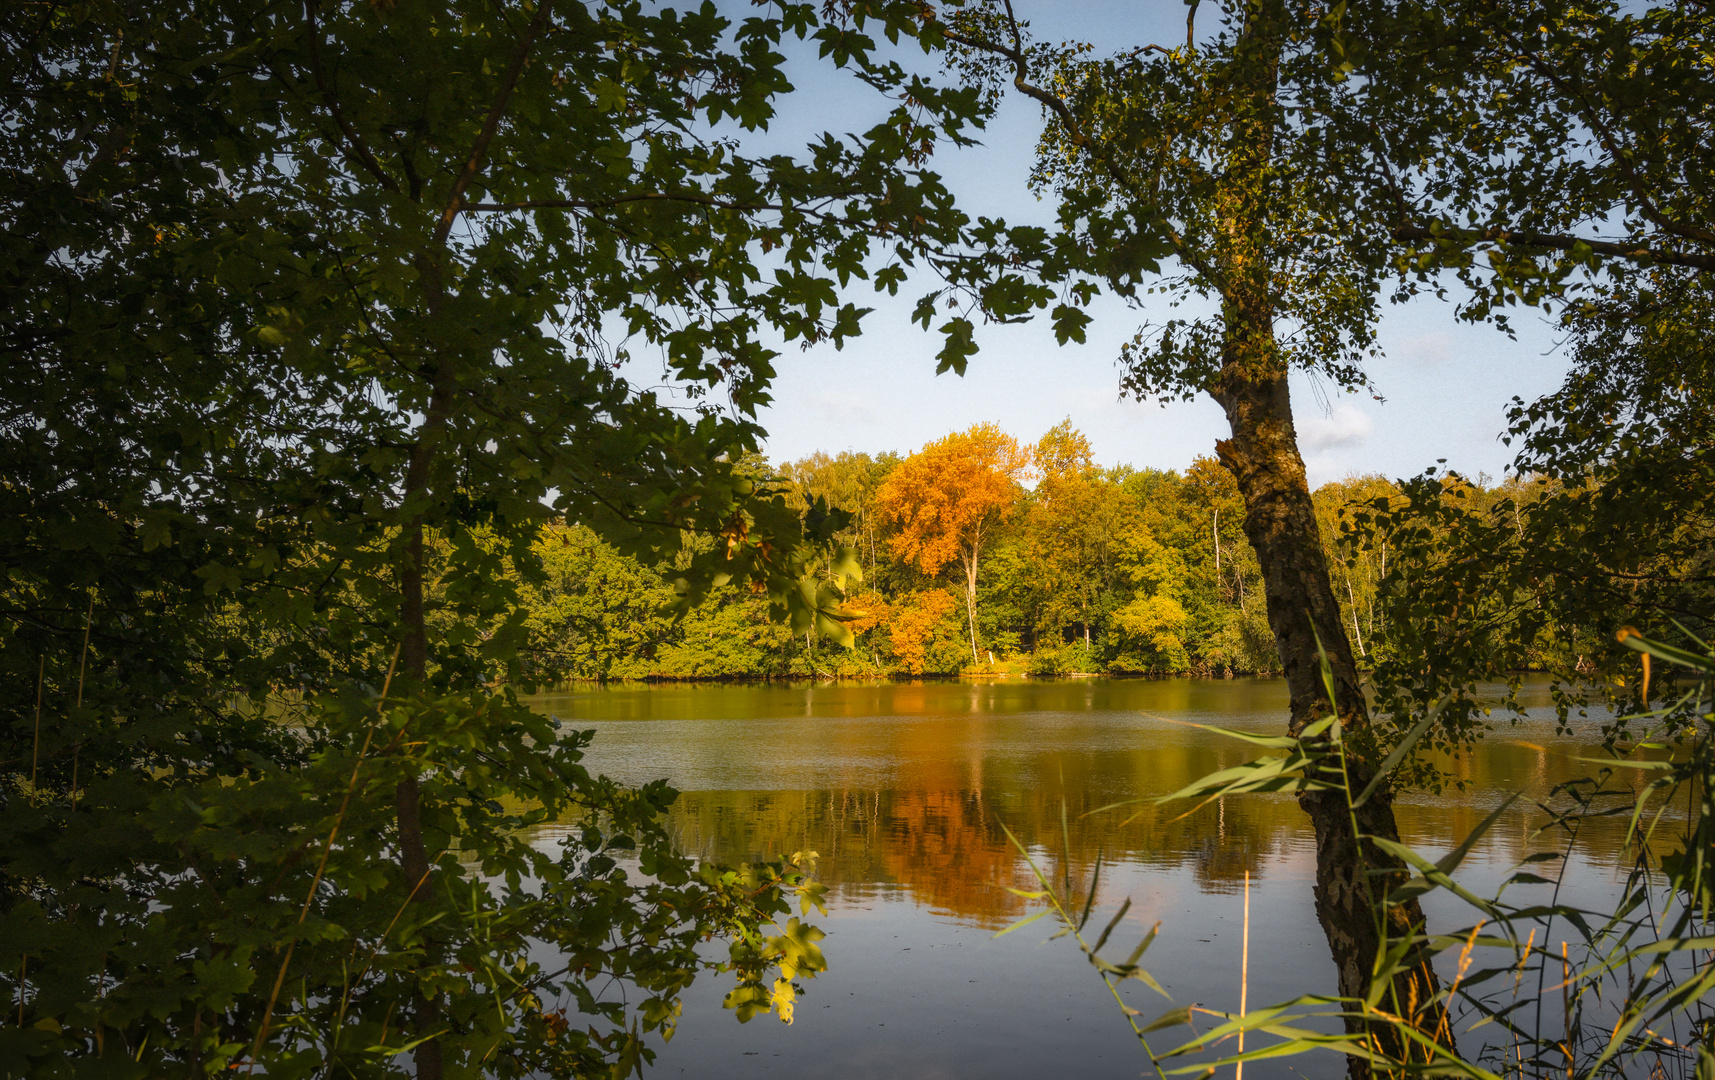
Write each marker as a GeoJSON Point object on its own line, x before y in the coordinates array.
{"type": "Point", "coordinates": [970, 562]}
{"type": "Point", "coordinates": [1280, 523]}
{"type": "Point", "coordinates": [414, 667]}
{"type": "Point", "coordinates": [1302, 612]}
{"type": "Point", "coordinates": [413, 857]}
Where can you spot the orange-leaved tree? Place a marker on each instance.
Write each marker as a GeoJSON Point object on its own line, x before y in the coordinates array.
{"type": "Point", "coordinates": [946, 500]}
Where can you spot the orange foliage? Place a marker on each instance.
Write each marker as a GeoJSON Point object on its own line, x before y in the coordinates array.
{"type": "Point", "coordinates": [947, 498]}
{"type": "Point", "coordinates": [1063, 454]}
{"type": "Point", "coordinates": [866, 610]}
{"type": "Point", "coordinates": [944, 499]}
{"type": "Point", "coordinates": [912, 627]}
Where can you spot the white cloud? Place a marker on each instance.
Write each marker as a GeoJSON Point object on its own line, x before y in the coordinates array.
{"type": "Point", "coordinates": [1427, 347]}
{"type": "Point", "coordinates": [1345, 425]}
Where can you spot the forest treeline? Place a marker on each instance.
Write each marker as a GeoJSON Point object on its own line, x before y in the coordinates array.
{"type": "Point", "coordinates": [981, 552]}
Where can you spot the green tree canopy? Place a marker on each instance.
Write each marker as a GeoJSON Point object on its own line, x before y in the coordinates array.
{"type": "Point", "coordinates": [314, 316]}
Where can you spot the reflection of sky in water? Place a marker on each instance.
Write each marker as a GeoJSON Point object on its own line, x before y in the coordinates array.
{"type": "Point", "coordinates": [901, 788]}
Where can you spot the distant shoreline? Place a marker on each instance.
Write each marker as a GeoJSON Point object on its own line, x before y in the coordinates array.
{"type": "Point", "coordinates": [931, 677]}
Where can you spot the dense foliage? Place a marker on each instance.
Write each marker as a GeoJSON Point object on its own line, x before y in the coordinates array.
{"type": "Point", "coordinates": [315, 450]}
{"type": "Point", "coordinates": [313, 316]}
{"type": "Point", "coordinates": [1552, 156]}
{"type": "Point", "coordinates": [1083, 568]}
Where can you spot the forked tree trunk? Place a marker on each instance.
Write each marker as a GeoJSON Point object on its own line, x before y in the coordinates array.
{"type": "Point", "coordinates": [1280, 523]}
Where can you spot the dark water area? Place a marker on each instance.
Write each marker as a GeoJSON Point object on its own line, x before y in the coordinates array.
{"type": "Point", "coordinates": [901, 789]}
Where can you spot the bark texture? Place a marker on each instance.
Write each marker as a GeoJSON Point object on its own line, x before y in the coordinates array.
{"type": "Point", "coordinates": [1263, 455]}
{"type": "Point", "coordinates": [1280, 523]}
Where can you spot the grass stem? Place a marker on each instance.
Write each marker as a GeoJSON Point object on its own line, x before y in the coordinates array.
{"type": "Point", "coordinates": [1244, 974]}
{"type": "Point", "coordinates": [82, 666]}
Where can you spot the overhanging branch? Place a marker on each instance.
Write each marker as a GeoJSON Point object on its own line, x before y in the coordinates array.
{"type": "Point", "coordinates": [1630, 251]}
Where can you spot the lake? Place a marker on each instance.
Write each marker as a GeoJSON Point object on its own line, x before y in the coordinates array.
{"type": "Point", "coordinates": [902, 789]}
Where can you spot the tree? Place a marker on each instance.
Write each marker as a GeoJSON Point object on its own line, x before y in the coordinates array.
{"type": "Point", "coordinates": [309, 320]}
{"type": "Point", "coordinates": [594, 609]}
{"type": "Point", "coordinates": [918, 628]}
{"type": "Point", "coordinates": [1358, 566]}
{"type": "Point", "coordinates": [946, 501]}
{"type": "Point", "coordinates": [848, 482]}
{"type": "Point", "coordinates": [1074, 524]}
{"type": "Point", "coordinates": [1606, 524]}
{"type": "Point", "coordinates": [1566, 141]}
{"type": "Point", "coordinates": [1576, 183]}
{"type": "Point", "coordinates": [1229, 159]}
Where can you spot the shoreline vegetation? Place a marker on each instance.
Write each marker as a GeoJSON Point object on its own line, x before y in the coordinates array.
{"type": "Point", "coordinates": [1016, 560]}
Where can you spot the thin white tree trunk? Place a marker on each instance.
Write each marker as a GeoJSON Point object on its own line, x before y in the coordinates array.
{"type": "Point", "coordinates": [971, 600]}
{"type": "Point", "coordinates": [1356, 633]}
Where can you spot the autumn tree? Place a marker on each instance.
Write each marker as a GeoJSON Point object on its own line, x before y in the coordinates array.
{"type": "Point", "coordinates": [917, 630]}
{"type": "Point", "coordinates": [946, 502]}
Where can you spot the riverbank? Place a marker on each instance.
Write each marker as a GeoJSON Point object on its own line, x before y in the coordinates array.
{"type": "Point", "coordinates": [1013, 668]}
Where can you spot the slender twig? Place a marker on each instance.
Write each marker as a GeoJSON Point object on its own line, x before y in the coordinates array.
{"type": "Point", "coordinates": [479, 150]}
{"type": "Point", "coordinates": [321, 867]}
{"type": "Point", "coordinates": [1079, 137]}
{"type": "Point", "coordinates": [355, 147]}
{"type": "Point", "coordinates": [82, 662]}
{"type": "Point", "coordinates": [1616, 153]}
{"type": "Point", "coordinates": [36, 747]}
{"type": "Point", "coordinates": [345, 998]}
{"type": "Point", "coordinates": [692, 197]}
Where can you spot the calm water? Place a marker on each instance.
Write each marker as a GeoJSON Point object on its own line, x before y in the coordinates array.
{"type": "Point", "coordinates": [902, 788]}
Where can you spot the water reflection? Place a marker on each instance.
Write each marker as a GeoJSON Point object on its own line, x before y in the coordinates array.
{"type": "Point", "coordinates": [903, 789]}
{"type": "Point", "coordinates": [907, 785]}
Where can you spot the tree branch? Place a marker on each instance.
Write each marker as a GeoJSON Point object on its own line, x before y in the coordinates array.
{"type": "Point", "coordinates": [1063, 112]}
{"type": "Point", "coordinates": [480, 149]}
{"type": "Point", "coordinates": [1633, 252]}
{"type": "Point", "coordinates": [693, 198]}
{"type": "Point", "coordinates": [1590, 115]}
{"type": "Point", "coordinates": [354, 145]}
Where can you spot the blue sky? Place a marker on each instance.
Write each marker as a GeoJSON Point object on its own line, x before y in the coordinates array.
{"type": "Point", "coordinates": [1446, 384]}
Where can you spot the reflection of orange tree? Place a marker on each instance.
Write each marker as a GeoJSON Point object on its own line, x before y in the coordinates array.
{"type": "Point", "coordinates": [937, 833]}
{"type": "Point", "coordinates": [949, 850]}
{"type": "Point", "coordinates": [946, 846]}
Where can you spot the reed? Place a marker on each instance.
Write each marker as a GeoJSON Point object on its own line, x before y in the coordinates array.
{"type": "Point", "coordinates": [1636, 983]}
